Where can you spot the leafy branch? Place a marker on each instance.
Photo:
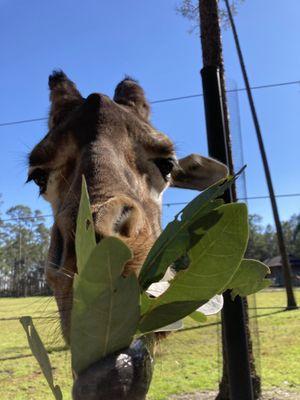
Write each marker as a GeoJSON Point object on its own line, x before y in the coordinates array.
{"type": "Point", "coordinates": [109, 310]}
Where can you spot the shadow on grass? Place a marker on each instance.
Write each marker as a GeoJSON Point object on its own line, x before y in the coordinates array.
{"type": "Point", "coordinates": [65, 348]}
{"type": "Point", "coordinates": [49, 351]}
{"type": "Point", "coordinates": [219, 322]}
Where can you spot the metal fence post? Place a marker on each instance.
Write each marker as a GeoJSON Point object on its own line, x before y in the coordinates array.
{"type": "Point", "coordinates": [233, 312]}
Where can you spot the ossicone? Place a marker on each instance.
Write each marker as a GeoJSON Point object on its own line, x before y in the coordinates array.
{"type": "Point", "coordinates": [128, 92]}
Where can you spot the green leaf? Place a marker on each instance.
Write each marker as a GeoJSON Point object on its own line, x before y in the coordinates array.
{"type": "Point", "coordinates": [145, 302]}
{"type": "Point", "coordinates": [219, 242]}
{"type": "Point", "coordinates": [40, 353]}
{"type": "Point", "coordinates": [174, 242]}
{"type": "Point", "coordinates": [198, 316]}
{"type": "Point", "coordinates": [249, 278]}
{"type": "Point", "coordinates": [105, 310]}
{"type": "Point", "coordinates": [85, 236]}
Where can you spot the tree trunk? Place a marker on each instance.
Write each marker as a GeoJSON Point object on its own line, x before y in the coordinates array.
{"type": "Point", "coordinates": [212, 56]}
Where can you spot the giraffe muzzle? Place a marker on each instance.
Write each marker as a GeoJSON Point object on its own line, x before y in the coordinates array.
{"type": "Point", "coordinates": [124, 375]}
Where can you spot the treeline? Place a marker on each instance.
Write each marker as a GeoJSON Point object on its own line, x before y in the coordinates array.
{"type": "Point", "coordinates": [24, 241]}
{"type": "Point", "coordinates": [262, 239]}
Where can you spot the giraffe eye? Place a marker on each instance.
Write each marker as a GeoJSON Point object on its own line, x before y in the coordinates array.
{"type": "Point", "coordinates": [165, 166]}
{"type": "Point", "coordinates": [40, 178]}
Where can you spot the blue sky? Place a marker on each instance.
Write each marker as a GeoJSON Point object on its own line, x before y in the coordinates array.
{"type": "Point", "coordinates": [96, 43]}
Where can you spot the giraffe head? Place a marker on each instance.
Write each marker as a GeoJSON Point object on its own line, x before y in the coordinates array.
{"type": "Point", "coordinates": [127, 165]}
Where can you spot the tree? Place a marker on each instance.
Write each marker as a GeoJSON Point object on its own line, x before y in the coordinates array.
{"type": "Point", "coordinates": [263, 241]}
{"type": "Point", "coordinates": [190, 10]}
{"type": "Point", "coordinates": [24, 241]}
{"type": "Point", "coordinates": [207, 14]}
{"type": "Point", "coordinates": [291, 230]}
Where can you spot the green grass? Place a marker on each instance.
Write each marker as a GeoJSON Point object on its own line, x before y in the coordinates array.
{"type": "Point", "coordinates": [186, 361]}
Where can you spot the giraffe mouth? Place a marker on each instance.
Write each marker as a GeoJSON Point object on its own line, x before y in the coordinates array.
{"type": "Point", "coordinates": [125, 375]}
{"type": "Point", "coordinates": [40, 177]}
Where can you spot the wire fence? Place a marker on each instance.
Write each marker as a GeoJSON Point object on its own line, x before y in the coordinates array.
{"type": "Point", "coordinates": [270, 324]}
{"type": "Point", "coordinates": [189, 360]}
{"type": "Point", "coordinates": [170, 99]}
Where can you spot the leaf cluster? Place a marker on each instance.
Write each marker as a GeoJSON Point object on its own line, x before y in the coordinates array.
{"type": "Point", "coordinates": [207, 242]}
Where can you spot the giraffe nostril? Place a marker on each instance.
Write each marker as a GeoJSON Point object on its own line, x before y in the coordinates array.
{"type": "Point", "coordinates": [122, 223]}
{"type": "Point", "coordinates": [120, 216]}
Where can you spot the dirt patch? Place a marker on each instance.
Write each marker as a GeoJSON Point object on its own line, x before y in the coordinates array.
{"type": "Point", "coordinates": [276, 394]}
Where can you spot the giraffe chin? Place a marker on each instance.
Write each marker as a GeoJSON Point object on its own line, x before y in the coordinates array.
{"type": "Point", "coordinates": [124, 375]}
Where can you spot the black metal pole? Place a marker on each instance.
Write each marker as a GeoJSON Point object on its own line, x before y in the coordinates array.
{"type": "Point", "coordinates": [233, 312]}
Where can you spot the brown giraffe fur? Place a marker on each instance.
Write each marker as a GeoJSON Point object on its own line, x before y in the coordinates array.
{"type": "Point", "coordinates": [127, 164]}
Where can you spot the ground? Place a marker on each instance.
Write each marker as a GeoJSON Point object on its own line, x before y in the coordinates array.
{"type": "Point", "coordinates": [275, 394]}
{"type": "Point", "coordinates": [186, 361]}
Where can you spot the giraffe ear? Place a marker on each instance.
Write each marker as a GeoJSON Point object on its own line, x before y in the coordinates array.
{"type": "Point", "coordinates": [130, 93]}
{"type": "Point", "coordinates": [64, 97]}
{"type": "Point", "coordinates": [197, 172]}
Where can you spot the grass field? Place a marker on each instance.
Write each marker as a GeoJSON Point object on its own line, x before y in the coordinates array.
{"type": "Point", "coordinates": [188, 361]}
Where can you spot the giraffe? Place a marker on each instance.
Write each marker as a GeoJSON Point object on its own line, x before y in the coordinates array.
{"type": "Point", "coordinates": [127, 164]}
